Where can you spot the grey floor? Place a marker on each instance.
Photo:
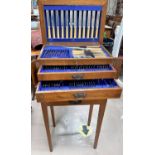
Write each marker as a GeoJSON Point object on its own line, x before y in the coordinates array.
{"type": "Point", "coordinates": [67, 140]}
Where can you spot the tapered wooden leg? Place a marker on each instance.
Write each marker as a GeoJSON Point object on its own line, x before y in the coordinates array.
{"type": "Point", "coordinates": [46, 122]}
{"type": "Point", "coordinates": [90, 114]}
{"type": "Point", "coordinates": [53, 116]}
{"type": "Point", "coordinates": [99, 122]}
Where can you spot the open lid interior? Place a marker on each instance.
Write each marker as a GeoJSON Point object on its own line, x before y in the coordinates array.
{"type": "Point", "coordinates": [72, 23]}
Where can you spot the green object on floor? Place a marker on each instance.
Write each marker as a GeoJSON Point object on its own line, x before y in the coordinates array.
{"type": "Point", "coordinates": [85, 130]}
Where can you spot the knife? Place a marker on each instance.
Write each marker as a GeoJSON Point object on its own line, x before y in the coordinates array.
{"type": "Point", "coordinates": [84, 23]}
{"type": "Point", "coordinates": [57, 23]}
{"type": "Point", "coordinates": [97, 23]}
{"type": "Point", "coordinates": [88, 24]}
{"type": "Point", "coordinates": [62, 24]}
{"type": "Point", "coordinates": [48, 24]}
{"type": "Point", "coordinates": [70, 23]}
{"type": "Point", "coordinates": [92, 24]}
{"type": "Point", "coordinates": [66, 17]}
{"type": "Point", "coordinates": [53, 23]}
{"type": "Point", "coordinates": [80, 23]}
{"type": "Point", "coordinates": [75, 23]}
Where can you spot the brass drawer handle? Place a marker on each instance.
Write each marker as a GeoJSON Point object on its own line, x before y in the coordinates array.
{"type": "Point", "coordinates": [75, 102]}
{"type": "Point", "coordinates": [79, 95]}
{"type": "Point", "coordinates": [77, 76]}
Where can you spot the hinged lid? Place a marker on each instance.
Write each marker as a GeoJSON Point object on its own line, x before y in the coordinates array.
{"type": "Point", "coordinates": [73, 21]}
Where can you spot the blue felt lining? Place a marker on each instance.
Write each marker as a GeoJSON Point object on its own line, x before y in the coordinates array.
{"type": "Point", "coordinates": [73, 7]}
{"type": "Point", "coordinates": [73, 40]}
{"type": "Point", "coordinates": [61, 52]}
{"type": "Point", "coordinates": [86, 68]}
{"type": "Point", "coordinates": [70, 7]}
{"type": "Point", "coordinates": [56, 52]}
{"type": "Point", "coordinates": [106, 53]}
{"type": "Point", "coordinates": [78, 84]}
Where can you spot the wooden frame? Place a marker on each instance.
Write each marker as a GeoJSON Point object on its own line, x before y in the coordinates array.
{"type": "Point", "coordinates": [69, 97]}
{"type": "Point", "coordinates": [103, 3]}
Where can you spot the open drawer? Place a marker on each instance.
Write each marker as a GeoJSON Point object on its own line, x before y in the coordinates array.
{"type": "Point", "coordinates": [84, 55]}
{"type": "Point", "coordinates": [76, 72]}
{"type": "Point", "coordinates": [51, 91]}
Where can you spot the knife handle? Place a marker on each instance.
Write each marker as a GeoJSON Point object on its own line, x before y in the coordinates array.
{"type": "Point", "coordinates": [49, 32]}
{"type": "Point", "coordinates": [88, 31]}
{"type": "Point", "coordinates": [71, 32]}
{"type": "Point", "coordinates": [79, 35]}
{"type": "Point", "coordinates": [66, 31]}
{"type": "Point", "coordinates": [92, 32]}
{"type": "Point", "coordinates": [83, 32]}
{"type": "Point", "coordinates": [62, 32]}
{"type": "Point", "coordinates": [96, 35]}
{"type": "Point", "coordinates": [75, 31]}
{"type": "Point", "coordinates": [58, 32]}
{"type": "Point", "coordinates": [53, 29]}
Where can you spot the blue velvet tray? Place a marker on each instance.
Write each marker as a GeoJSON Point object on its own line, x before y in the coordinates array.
{"type": "Point", "coordinates": [78, 84]}
{"type": "Point", "coordinates": [85, 68]}
{"type": "Point", "coordinates": [56, 52]}
{"type": "Point", "coordinates": [63, 23]}
{"type": "Point", "coordinates": [61, 52]}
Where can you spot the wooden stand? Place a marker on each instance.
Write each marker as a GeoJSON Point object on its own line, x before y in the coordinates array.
{"type": "Point", "coordinates": [90, 36]}
{"type": "Point", "coordinates": [102, 105]}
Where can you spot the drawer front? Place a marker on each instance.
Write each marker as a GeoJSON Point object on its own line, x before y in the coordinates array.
{"type": "Point", "coordinates": [46, 73]}
{"type": "Point", "coordinates": [75, 61]}
{"type": "Point", "coordinates": [77, 90]}
{"type": "Point", "coordinates": [74, 95]}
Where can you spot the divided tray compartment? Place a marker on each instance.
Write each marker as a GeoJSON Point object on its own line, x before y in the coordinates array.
{"type": "Point", "coordinates": [77, 90]}
{"type": "Point", "coordinates": [61, 55]}
{"type": "Point", "coordinates": [56, 52]}
{"type": "Point", "coordinates": [76, 72]}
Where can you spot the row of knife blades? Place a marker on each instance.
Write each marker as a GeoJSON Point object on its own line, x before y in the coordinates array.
{"type": "Point", "coordinates": [67, 20]}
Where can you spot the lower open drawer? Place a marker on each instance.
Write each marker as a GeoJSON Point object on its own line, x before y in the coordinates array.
{"type": "Point", "coordinates": [76, 72]}
{"type": "Point", "coordinates": [51, 91]}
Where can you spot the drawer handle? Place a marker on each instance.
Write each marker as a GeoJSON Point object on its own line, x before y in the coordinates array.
{"type": "Point", "coordinates": [80, 95]}
{"type": "Point", "coordinates": [75, 102]}
{"type": "Point", "coordinates": [77, 76]}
